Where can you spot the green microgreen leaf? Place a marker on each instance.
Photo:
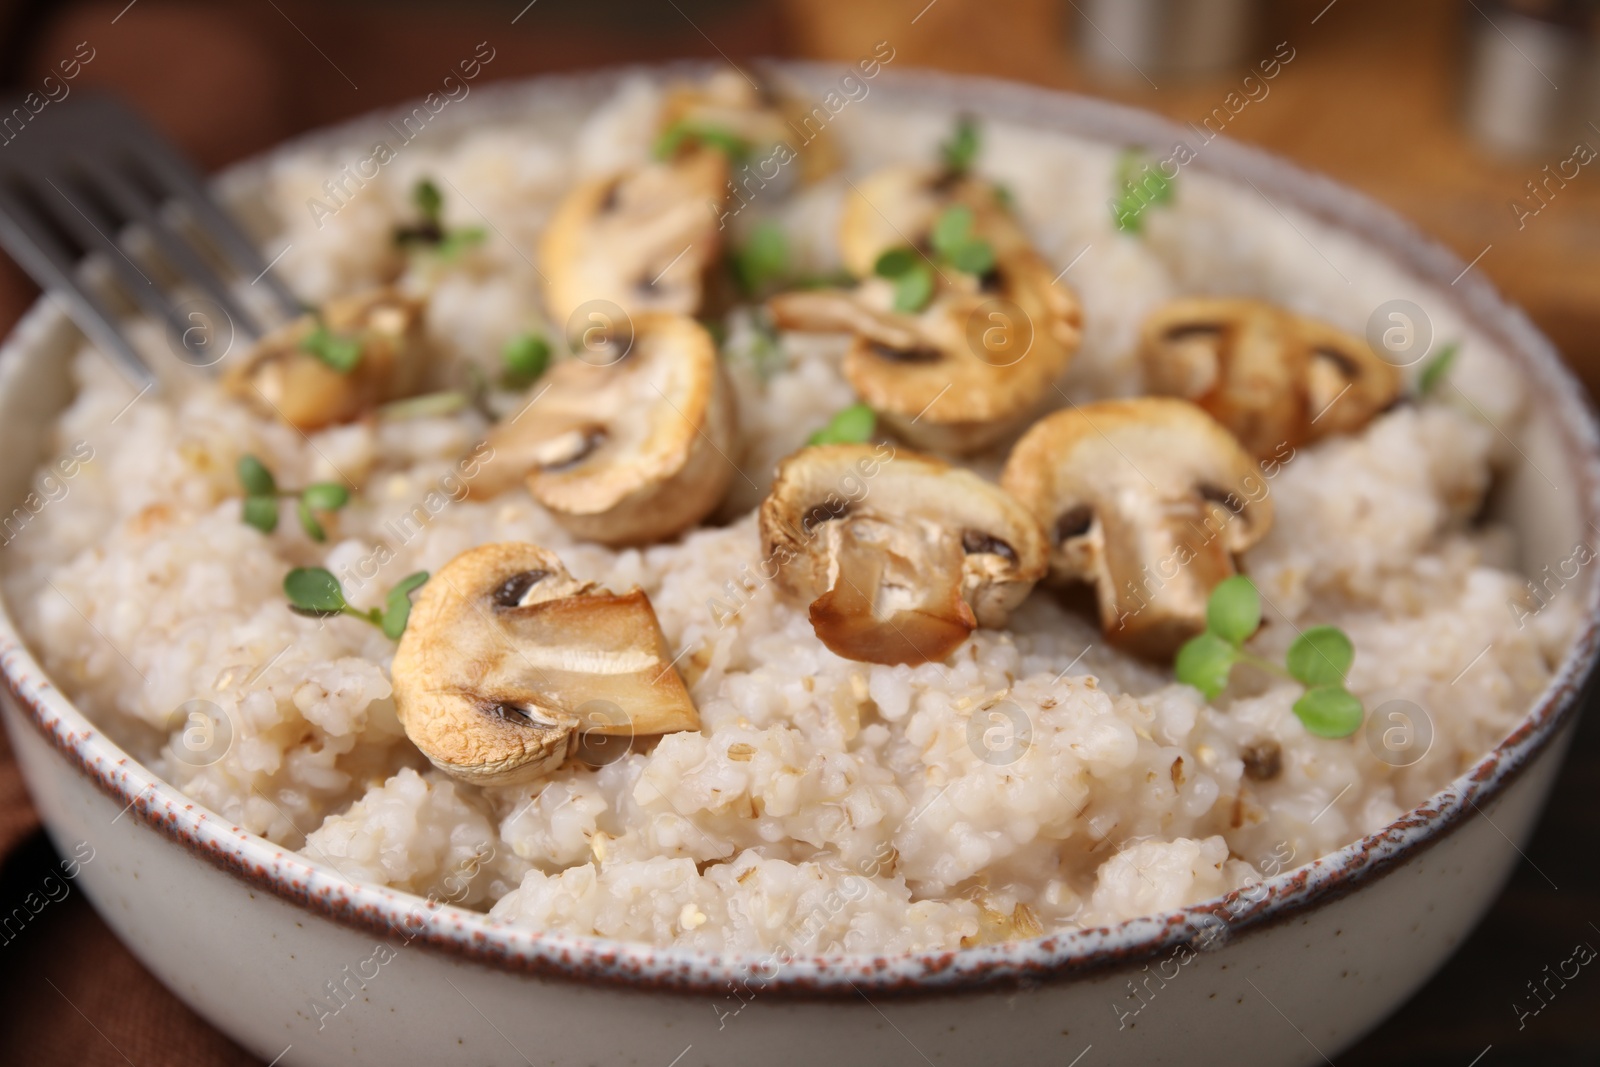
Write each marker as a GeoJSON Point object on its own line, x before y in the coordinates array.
{"type": "Point", "coordinates": [397, 606]}
{"type": "Point", "coordinates": [961, 150]}
{"type": "Point", "coordinates": [894, 263]}
{"type": "Point", "coordinates": [255, 478]}
{"type": "Point", "coordinates": [1205, 661]}
{"type": "Point", "coordinates": [974, 257]}
{"type": "Point", "coordinates": [952, 229]}
{"type": "Point", "coordinates": [1138, 185]}
{"type": "Point", "coordinates": [1321, 657]}
{"type": "Point", "coordinates": [429, 201]}
{"type": "Point", "coordinates": [1437, 367]}
{"type": "Point", "coordinates": [314, 591]}
{"type": "Point", "coordinates": [1329, 711]}
{"type": "Point", "coordinates": [308, 521]}
{"type": "Point", "coordinates": [430, 234]}
{"type": "Point", "coordinates": [325, 496]}
{"type": "Point", "coordinates": [685, 131]}
{"type": "Point", "coordinates": [952, 238]}
{"type": "Point", "coordinates": [526, 357]}
{"type": "Point", "coordinates": [261, 512]}
{"type": "Point", "coordinates": [851, 425]}
{"type": "Point", "coordinates": [1233, 611]}
{"type": "Point", "coordinates": [914, 288]}
{"type": "Point", "coordinates": [763, 259]}
{"type": "Point", "coordinates": [340, 352]}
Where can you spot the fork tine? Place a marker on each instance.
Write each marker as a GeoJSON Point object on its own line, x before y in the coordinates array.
{"type": "Point", "coordinates": [50, 263]}
{"type": "Point", "coordinates": [91, 234]}
{"type": "Point", "coordinates": [175, 174]}
{"type": "Point", "coordinates": [174, 246]}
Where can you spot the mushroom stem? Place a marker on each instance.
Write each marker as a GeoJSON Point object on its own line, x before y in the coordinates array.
{"type": "Point", "coordinates": [892, 603]}
{"type": "Point", "coordinates": [906, 568]}
{"type": "Point", "coordinates": [1170, 554]}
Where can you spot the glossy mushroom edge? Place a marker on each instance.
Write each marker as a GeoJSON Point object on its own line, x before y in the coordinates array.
{"type": "Point", "coordinates": [989, 968]}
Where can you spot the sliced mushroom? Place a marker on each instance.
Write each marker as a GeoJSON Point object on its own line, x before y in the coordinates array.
{"type": "Point", "coordinates": [906, 570]}
{"type": "Point", "coordinates": [763, 117]}
{"type": "Point", "coordinates": [899, 204]}
{"type": "Point", "coordinates": [508, 660]}
{"type": "Point", "coordinates": [966, 370]}
{"type": "Point", "coordinates": [1149, 500]}
{"type": "Point", "coordinates": [983, 355]}
{"type": "Point", "coordinates": [1272, 377]}
{"type": "Point", "coordinates": [642, 240]}
{"type": "Point", "coordinates": [283, 378]}
{"type": "Point", "coordinates": [630, 452]}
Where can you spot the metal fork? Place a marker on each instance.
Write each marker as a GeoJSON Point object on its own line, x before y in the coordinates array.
{"type": "Point", "coordinates": [86, 174]}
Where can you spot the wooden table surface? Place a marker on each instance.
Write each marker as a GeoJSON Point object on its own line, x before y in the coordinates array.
{"type": "Point", "coordinates": [1370, 99]}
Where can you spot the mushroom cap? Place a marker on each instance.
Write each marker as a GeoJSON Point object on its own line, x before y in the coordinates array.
{"type": "Point", "coordinates": [759, 113]}
{"type": "Point", "coordinates": [281, 378]}
{"type": "Point", "coordinates": [630, 452]}
{"type": "Point", "coordinates": [507, 660]}
{"type": "Point", "coordinates": [1274, 378]}
{"type": "Point", "coordinates": [898, 205]}
{"type": "Point", "coordinates": [900, 556]}
{"type": "Point", "coordinates": [642, 240]}
{"type": "Point", "coordinates": [1149, 500]}
{"type": "Point", "coordinates": [966, 370]}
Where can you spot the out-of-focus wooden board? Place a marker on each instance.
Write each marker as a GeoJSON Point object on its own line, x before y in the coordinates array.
{"type": "Point", "coordinates": [1372, 98]}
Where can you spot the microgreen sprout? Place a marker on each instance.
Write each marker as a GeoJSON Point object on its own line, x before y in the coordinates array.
{"type": "Point", "coordinates": [955, 245]}
{"type": "Point", "coordinates": [851, 425]}
{"type": "Point", "coordinates": [690, 131]}
{"type": "Point", "coordinates": [1437, 368]}
{"type": "Point", "coordinates": [314, 591]}
{"type": "Point", "coordinates": [524, 360]}
{"type": "Point", "coordinates": [261, 496]}
{"type": "Point", "coordinates": [428, 405]}
{"type": "Point", "coordinates": [341, 352]}
{"type": "Point", "coordinates": [1318, 659]}
{"type": "Point", "coordinates": [762, 260]}
{"type": "Point", "coordinates": [1138, 185]}
{"type": "Point", "coordinates": [430, 232]}
{"type": "Point", "coordinates": [912, 277]}
{"type": "Point", "coordinates": [953, 239]}
{"type": "Point", "coordinates": [958, 153]}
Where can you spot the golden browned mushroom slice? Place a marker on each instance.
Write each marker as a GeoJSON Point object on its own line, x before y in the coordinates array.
{"type": "Point", "coordinates": [898, 205]}
{"type": "Point", "coordinates": [642, 240]}
{"type": "Point", "coordinates": [630, 452]}
{"type": "Point", "coordinates": [908, 571]}
{"type": "Point", "coordinates": [964, 371]}
{"type": "Point", "coordinates": [1149, 500]}
{"type": "Point", "coordinates": [759, 115]}
{"type": "Point", "coordinates": [508, 660]}
{"type": "Point", "coordinates": [363, 351]}
{"type": "Point", "coordinates": [1272, 377]}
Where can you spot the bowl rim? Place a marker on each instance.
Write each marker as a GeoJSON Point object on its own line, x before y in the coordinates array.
{"type": "Point", "coordinates": [590, 959]}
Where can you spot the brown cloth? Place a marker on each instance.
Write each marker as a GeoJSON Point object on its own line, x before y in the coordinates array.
{"type": "Point", "coordinates": [226, 80]}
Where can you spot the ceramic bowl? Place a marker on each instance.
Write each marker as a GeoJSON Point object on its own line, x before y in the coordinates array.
{"type": "Point", "coordinates": [302, 967]}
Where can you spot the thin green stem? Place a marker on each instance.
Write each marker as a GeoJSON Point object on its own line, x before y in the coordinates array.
{"type": "Point", "coordinates": [1265, 664]}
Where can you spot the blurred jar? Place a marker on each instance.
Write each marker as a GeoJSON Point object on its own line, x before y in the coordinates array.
{"type": "Point", "coordinates": [1145, 39]}
{"type": "Point", "coordinates": [1531, 79]}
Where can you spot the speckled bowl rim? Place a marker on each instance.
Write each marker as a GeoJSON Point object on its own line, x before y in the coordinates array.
{"type": "Point", "coordinates": [473, 936]}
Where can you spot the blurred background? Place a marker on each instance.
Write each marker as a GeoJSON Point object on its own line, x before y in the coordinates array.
{"type": "Point", "coordinates": [1478, 120]}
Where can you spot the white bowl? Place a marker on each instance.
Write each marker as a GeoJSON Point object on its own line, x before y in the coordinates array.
{"type": "Point", "coordinates": [300, 966]}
